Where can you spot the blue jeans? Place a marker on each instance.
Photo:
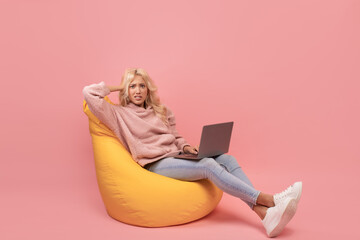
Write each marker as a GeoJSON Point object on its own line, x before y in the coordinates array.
{"type": "Point", "coordinates": [224, 171]}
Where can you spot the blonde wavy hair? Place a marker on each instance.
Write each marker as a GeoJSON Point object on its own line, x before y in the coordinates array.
{"type": "Point", "coordinates": [152, 98]}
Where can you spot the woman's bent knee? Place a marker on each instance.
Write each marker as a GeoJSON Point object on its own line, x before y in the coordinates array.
{"type": "Point", "coordinates": [210, 166]}
{"type": "Point", "coordinates": [208, 162]}
{"type": "Point", "coordinates": [228, 160]}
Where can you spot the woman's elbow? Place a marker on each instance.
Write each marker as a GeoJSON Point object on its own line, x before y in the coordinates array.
{"type": "Point", "coordinates": [85, 92]}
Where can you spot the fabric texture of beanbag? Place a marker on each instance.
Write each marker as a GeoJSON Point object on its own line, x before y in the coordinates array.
{"type": "Point", "coordinates": [136, 196]}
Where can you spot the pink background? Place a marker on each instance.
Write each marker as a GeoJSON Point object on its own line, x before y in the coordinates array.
{"type": "Point", "coordinates": [287, 73]}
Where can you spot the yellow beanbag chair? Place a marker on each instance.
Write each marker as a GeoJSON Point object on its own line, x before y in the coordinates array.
{"type": "Point", "coordinates": [136, 196]}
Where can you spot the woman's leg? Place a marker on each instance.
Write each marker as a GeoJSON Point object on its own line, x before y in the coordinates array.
{"type": "Point", "coordinates": [230, 164]}
{"type": "Point", "coordinates": [274, 217]}
{"type": "Point", "coordinates": [206, 168]}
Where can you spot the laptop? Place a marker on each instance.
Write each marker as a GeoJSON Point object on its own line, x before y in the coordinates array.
{"type": "Point", "coordinates": [215, 140]}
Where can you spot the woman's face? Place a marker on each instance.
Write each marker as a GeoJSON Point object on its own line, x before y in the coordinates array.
{"type": "Point", "coordinates": [138, 91]}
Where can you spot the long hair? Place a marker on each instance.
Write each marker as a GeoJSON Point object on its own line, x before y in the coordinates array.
{"type": "Point", "coordinates": [152, 98]}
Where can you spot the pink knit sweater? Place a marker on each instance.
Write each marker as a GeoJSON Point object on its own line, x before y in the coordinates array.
{"type": "Point", "coordinates": [141, 132]}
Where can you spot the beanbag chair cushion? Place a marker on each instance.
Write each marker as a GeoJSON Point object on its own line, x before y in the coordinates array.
{"type": "Point", "coordinates": [136, 196]}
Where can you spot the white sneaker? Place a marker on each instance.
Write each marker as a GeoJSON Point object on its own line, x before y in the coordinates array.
{"type": "Point", "coordinates": [294, 191]}
{"type": "Point", "coordinates": [277, 217]}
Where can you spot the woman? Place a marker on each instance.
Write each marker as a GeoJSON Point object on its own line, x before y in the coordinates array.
{"type": "Point", "coordinates": [147, 130]}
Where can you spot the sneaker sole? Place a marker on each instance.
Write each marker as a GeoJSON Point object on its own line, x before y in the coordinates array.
{"type": "Point", "coordinates": [285, 218]}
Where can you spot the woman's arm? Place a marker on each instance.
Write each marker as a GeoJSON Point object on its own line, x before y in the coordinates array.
{"type": "Point", "coordinates": [94, 96]}
{"type": "Point", "coordinates": [113, 88]}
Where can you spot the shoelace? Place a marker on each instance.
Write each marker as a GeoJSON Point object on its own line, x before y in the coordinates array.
{"type": "Point", "coordinates": [284, 193]}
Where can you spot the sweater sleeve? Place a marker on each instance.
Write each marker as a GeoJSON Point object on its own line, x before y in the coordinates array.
{"type": "Point", "coordinates": [180, 141]}
{"type": "Point", "coordinates": [94, 96]}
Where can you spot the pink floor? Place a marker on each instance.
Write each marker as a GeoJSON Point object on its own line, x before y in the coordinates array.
{"type": "Point", "coordinates": [75, 211]}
